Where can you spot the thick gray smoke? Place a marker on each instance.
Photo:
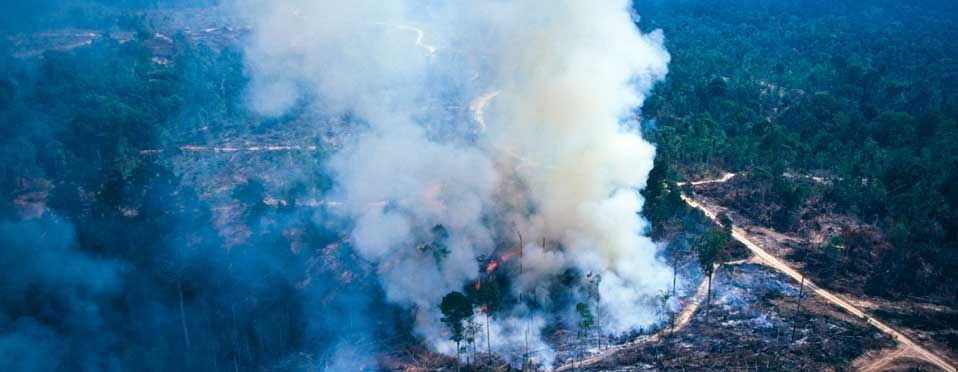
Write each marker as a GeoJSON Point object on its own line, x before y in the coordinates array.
{"type": "Point", "coordinates": [483, 117]}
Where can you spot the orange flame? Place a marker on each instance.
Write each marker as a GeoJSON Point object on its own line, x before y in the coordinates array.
{"type": "Point", "coordinates": [492, 266]}
{"type": "Point", "coordinates": [478, 284]}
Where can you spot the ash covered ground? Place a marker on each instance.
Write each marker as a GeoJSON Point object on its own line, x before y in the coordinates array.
{"type": "Point", "coordinates": [929, 320]}
{"type": "Point", "coordinates": [755, 324]}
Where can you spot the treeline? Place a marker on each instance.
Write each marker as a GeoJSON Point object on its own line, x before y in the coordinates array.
{"type": "Point", "coordinates": [862, 93]}
{"type": "Point", "coordinates": [39, 15]}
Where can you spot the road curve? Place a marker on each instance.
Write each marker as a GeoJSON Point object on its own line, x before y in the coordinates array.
{"type": "Point", "coordinates": [682, 319]}
{"type": "Point", "coordinates": [770, 260]}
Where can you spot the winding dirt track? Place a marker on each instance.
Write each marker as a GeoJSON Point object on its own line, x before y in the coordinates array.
{"type": "Point", "coordinates": [766, 258]}
{"type": "Point", "coordinates": [907, 348]}
{"type": "Point", "coordinates": [478, 108]}
{"type": "Point", "coordinates": [682, 319]}
{"type": "Point", "coordinates": [420, 35]}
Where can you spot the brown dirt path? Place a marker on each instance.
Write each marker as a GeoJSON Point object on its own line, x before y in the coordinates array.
{"type": "Point", "coordinates": [910, 348]}
{"type": "Point", "coordinates": [682, 319]}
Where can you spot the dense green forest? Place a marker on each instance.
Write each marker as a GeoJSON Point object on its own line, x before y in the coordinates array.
{"type": "Point", "coordinates": [863, 94]}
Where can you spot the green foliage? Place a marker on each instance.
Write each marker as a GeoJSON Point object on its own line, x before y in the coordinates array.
{"type": "Point", "coordinates": [862, 91]}
{"type": "Point", "coordinates": [95, 129]}
{"type": "Point", "coordinates": [487, 295]}
{"type": "Point", "coordinates": [726, 223]}
{"type": "Point", "coordinates": [709, 248]}
{"type": "Point", "coordinates": [586, 319]}
{"type": "Point", "coordinates": [833, 252]}
{"type": "Point", "coordinates": [456, 309]}
{"type": "Point", "coordinates": [663, 197]}
{"type": "Point", "coordinates": [438, 246]}
{"type": "Point", "coordinates": [664, 297]}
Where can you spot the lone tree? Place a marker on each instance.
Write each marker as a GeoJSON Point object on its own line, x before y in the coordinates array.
{"type": "Point", "coordinates": [455, 308]}
{"type": "Point", "coordinates": [709, 248]}
{"type": "Point", "coordinates": [586, 320]}
{"type": "Point", "coordinates": [664, 297]}
{"type": "Point", "coordinates": [726, 223]}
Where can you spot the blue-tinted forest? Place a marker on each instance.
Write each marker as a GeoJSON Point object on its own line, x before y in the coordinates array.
{"type": "Point", "coordinates": [111, 260]}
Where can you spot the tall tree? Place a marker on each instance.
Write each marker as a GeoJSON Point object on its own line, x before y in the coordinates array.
{"type": "Point", "coordinates": [664, 297]}
{"type": "Point", "coordinates": [586, 319]}
{"type": "Point", "coordinates": [456, 309]}
{"type": "Point", "coordinates": [709, 248]}
{"type": "Point", "coordinates": [488, 296]}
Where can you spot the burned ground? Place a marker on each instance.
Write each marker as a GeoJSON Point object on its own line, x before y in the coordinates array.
{"type": "Point", "coordinates": [930, 321]}
{"type": "Point", "coordinates": [752, 320]}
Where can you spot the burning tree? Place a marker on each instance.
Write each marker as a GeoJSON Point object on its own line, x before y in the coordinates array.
{"type": "Point", "coordinates": [456, 309]}
{"type": "Point", "coordinates": [487, 295]}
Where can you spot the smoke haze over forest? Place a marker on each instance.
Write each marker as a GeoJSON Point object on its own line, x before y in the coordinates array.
{"type": "Point", "coordinates": [301, 185]}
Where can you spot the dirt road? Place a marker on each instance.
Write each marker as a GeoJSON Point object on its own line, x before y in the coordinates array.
{"type": "Point", "coordinates": [907, 348]}
{"type": "Point", "coordinates": [478, 108]}
{"type": "Point", "coordinates": [682, 319]}
{"type": "Point", "coordinates": [420, 35]}
{"type": "Point", "coordinates": [766, 258]}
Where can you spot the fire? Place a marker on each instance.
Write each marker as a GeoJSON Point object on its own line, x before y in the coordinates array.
{"type": "Point", "coordinates": [509, 255]}
{"type": "Point", "coordinates": [492, 266]}
{"type": "Point", "coordinates": [478, 284]}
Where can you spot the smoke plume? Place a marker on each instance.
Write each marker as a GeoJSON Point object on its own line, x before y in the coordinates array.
{"type": "Point", "coordinates": [475, 121]}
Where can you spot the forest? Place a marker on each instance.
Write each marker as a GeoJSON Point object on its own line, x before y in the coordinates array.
{"type": "Point", "coordinates": [862, 94]}
{"type": "Point", "coordinates": [112, 259]}
{"type": "Point", "coordinates": [124, 251]}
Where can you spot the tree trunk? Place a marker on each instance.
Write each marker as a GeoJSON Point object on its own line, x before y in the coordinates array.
{"type": "Point", "coordinates": [575, 350]}
{"type": "Point", "coordinates": [675, 269]}
{"type": "Point", "coordinates": [798, 309]}
{"type": "Point", "coordinates": [598, 320]}
{"type": "Point", "coordinates": [578, 349]}
{"type": "Point", "coordinates": [525, 352]}
{"type": "Point", "coordinates": [708, 301]}
{"type": "Point", "coordinates": [488, 338]}
{"type": "Point", "coordinates": [186, 331]}
{"type": "Point", "coordinates": [458, 357]}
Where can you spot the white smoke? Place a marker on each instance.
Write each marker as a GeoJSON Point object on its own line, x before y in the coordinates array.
{"type": "Point", "coordinates": [484, 117]}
